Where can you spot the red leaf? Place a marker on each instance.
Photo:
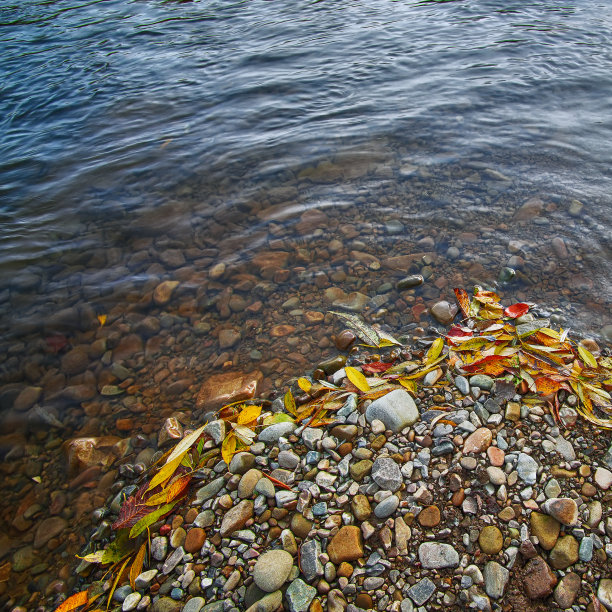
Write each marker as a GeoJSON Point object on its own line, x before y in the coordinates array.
{"type": "Point", "coordinates": [56, 343]}
{"type": "Point", "coordinates": [464, 301]}
{"type": "Point", "coordinates": [459, 332]}
{"type": "Point", "coordinates": [516, 310]}
{"type": "Point", "coordinates": [375, 367]}
{"type": "Point", "coordinates": [132, 509]}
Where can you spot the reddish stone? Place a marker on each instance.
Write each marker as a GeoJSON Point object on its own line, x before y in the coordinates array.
{"type": "Point", "coordinates": [429, 517]}
{"type": "Point", "coordinates": [346, 545]}
{"type": "Point", "coordinates": [478, 441]}
{"type": "Point", "coordinates": [496, 456]}
{"type": "Point", "coordinates": [165, 530]}
{"type": "Point", "coordinates": [539, 579]}
{"type": "Point", "coordinates": [195, 540]}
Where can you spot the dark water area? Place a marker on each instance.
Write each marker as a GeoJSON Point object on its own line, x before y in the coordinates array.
{"type": "Point", "coordinates": [186, 188]}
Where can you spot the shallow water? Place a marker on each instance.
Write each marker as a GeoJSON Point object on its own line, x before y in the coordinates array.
{"type": "Point", "coordinates": [304, 146]}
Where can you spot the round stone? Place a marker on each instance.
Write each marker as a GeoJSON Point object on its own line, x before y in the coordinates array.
{"type": "Point", "coordinates": [272, 570]}
{"type": "Point", "coordinates": [490, 540]}
{"type": "Point", "coordinates": [429, 517]}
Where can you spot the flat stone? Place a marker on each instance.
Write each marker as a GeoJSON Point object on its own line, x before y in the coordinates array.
{"type": "Point", "coordinates": [482, 381]}
{"type": "Point", "coordinates": [567, 590]}
{"type": "Point", "coordinates": [195, 604]}
{"type": "Point", "coordinates": [288, 460]}
{"type": "Point", "coordinates": [144, 580]}
{"type": "Point", "coordinates": [478, 442]}
{"type": "Point", "coordinates": [272, 570]}
{"type": "Point", "coordinates": [496, 456]}
{"type": "Point", "coordinates": [210, 490]}
{"type": "Point", "coordinates": [496, 475]}
{"type": "Point", "coordinates": [585, 550]}
{"type": "Point", "coordinates": [387, 506]}
{"type": "Point", "coordinates": [269, 603]}
{"type": "Point", "coordinates": [513, 411]}
{"type": "Point", "coordinates": [603, 478]}
{"type": "Point", "coordinates": [429, 517]}
{"type": "Point", "coordinates": [403, 533]}
{"type": "Point", "coordinates": [300, 526]}
{"type": "Point", "coordinates": [564, 553]}
{"type": "Point", "coordinates": [552, 488]}
{"type": "Point", "coordinates": [360, 469]}
{"type": "Point", "coordinates": [216, 430]}
{"type": "Point", "coordinates": [490, 540]}
{"type": "Point", "coordinates": [539, 579]}
{"type": "Point", "coordinates": [396, 410]}
{"type": "Point", "coordinates": [386, 474]}
{"type": "Point", "coordinates": [241, 463]}
{"type": "Point", "coordinates": [462, 384]}
{"type": "Point", "coordinates": [346, 545]}
{"type": "Point", "coordinates": [361, 508]}
{"type": "Point", "coordinates": [130, 602]}
{"type": "Point", "coordinates": [228, 387]}
{"type": "Point", "coordinates": [563, 509]}
{"type": "Point", "coordinates": [495, 577]}
{"type": "Point", "coordinates": [527, 468]}
{"type": "Point", "coordinates": [422, 591]}
{"type": "Point", "coordinates": [604, 592]}
{"type": "Point", "coordinates": [274, 432]}
{"type": "Point", "coordinates": [236, 518]}
{"type": "Point", "coordinates": [311, 566]}
{"type": "Point", "coordinates": [195, 539]}
{"type": "Point", "coordinates": [173, 560]}
{"type": "Point", "coordinates": [299, 596]}
{"type": "Point", "coordinates": [47, 529]}
{"type": "Point", "coordinates": [435, 555]}
{"type": "Point", "coordinates": [565, 448]}
{"type": "Point", "coordinates": [546, 528]}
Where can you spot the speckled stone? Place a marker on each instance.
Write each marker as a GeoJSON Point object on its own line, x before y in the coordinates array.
{"type": "Point", "coordinates": [272, 570]}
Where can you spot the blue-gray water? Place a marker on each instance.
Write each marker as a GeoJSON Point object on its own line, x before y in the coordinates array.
{"type": "Point", "coordinates": [305, 146]}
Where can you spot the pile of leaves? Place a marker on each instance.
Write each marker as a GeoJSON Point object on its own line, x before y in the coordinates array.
{"type": "Point", "coordinates": [528, 357]}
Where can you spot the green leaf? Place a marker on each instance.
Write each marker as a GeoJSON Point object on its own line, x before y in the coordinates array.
{"type": "Point", "coordinates": [118, 548]}
{"type": "Point", "coordinates": [278, 417]}
{"type": "Point", "coordinates": [149, 519]}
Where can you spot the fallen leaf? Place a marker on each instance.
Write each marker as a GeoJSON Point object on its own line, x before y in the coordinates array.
{"type": "Point", "coordinates": [136, 568]}
{"type": "Point", "coordinates": [249, 414]}
{"type": "Point", "coordinates": [73, 602]}
{"type": "Point", "coordinates": [376, 367]}
{"type": "Point", "coordinates": [289, 403]}
{"type": "Point", "coordinates": [357, 378]}
{"type": "Point", "coordinates": [587, 357]}
{"type": "Point", "coordinates": [517, 310]}
{"type": "Point", "coordinates": [304, 384]}
{"type": "Point", "coordinates": [464, 302]}
{"type": "Point", "coordinates": [151, 518]}
{"type": "Point", "coordinates": [115, 583]}
{"type": "Point", "coordinates": [435, 349]}
{"type": "Point", "coordinates": [228, 448]}
{"type": "Point", "coordinates": [102, 319]}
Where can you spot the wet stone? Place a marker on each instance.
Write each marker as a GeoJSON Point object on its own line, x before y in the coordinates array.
{"type": "Point", "coordinates": [274, 432]}
{"type": "Point", "coordinates": [173, 560]}
{"type": "Point", "coordinates": [210, 490]}
{"type": "Point", "coordinates": [195, 539]}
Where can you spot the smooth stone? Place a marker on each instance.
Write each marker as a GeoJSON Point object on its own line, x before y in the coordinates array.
{"type": "Point", "coordinates": [552, 488]}
{"type": "Point", "coordinates": [210, 490]}
{"type": "Point", "coordinates": [429, 517]}
{"type": "Point", "coordinates": [361, 508]}
{"type": "Point", "coordinates": [241, 463]}
{"type": "Point", "coordinates": [144, 580]}
{"type": "Point", "coordinates": [567, 590]}
{"type": "Point", "coordinates": [565, 448]}
{"type": "Point", "coordinates": [248, 483]}
{"type": "Point", "coordinates": [490, 540]}
{"type": "Point", "coordinates": [386, 507]}
{"type": "Point", "coordinates": [495, 577]}
{"type": "Point", "coordinates": [603, 478]}
{"type": "Point", "coordinates": [546, 528]}
{"type": "Point", "coordinates": [564, 553]}
{"type": "Point", "coordinates": [422, 591]}
{"type": "Point", "coordinates": [443, 312]}
{"type": "Point", "coordinates": [236, 517]}
{"type": "Point", "coordinates": [435, 555]}
{"type": "Point", "coordinates": [273, 432]}
{"type": "Point", "coordinates": [496, 475]}
{"type": "Point", "coordinates": [478, 441]}
{"type": "Point", "coordinates": [269, 603]}
{"type": "Point", "coordinates": [585, 551]}
{"type": "Point", "coordinates": [49, 528]}
{"type": "Point", "coordinates": [482, 381]}
{"type": "Point", "coordinates": [299, 596]}
{"type": "Point", "coordinates": [604, 592]}
{"type": "Point", "coordinates": [272, 570]}
{"type": "Point", "coordinates": [396, 410]}
{"type": "Point", "coordinates": [166, 604]}
{"type": "Point", "coordinates": [564, 509]}
{"type": "Point", "coordinates": [130, 602]}
{"type": "Point", "coordinates": [462, 384]}
{"type": "Point", "coordinates": [409, 282]}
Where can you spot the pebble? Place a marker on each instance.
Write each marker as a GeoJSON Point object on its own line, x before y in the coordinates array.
{"type": "Point", "coordinates": [422, 591]}
{"type": "Point", "coordinates": [490, 540]}
{"type": "Point", "coordinates": [436, 555]}
{"type": "Point", "coordinates": [396, 410]}
{"type": "Point", "coordinates": [299, 596]}
{"type": "Point", "coordinates": [387, 507]}
{"type": "Point", "coordinates": [495, 579]}
{"type": "Point", "coordinates": [386, 474]}
{"type": "Point", "coordinates": [272, 570]}
{"type": "Point", "coordinates": [527, 468]}
{"type": "Point", "coordinates": [539, 579]}
{"type": "Point", "coordinates": [563, 509]}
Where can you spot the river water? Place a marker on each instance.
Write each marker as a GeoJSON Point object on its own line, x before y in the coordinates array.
{"type": "Point", "coordinates": [272, 160]}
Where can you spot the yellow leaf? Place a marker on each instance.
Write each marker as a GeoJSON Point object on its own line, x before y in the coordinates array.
{"type": "Point", "coordinates": [186, 443]}
{"type": "Point", "coordinates": [249, 414]}
{"type": "Point", "coordinates": [136, 568]}
{"type": "Point", "coordinates": [102, 319]}
{"type": "Point", "coordinates": [358, 379]}
{"type": "Point", "coordinates": [435, 349]}
{"type": "Point", "coordinates": [304, 384]}
{"type": "Point", "coordinates": [93, 557]}
{"type": "Point", "coordinates": [244, 434]}
{"type": "Point", "coordinates": [228, 448]}
{"type": "Point", "coordinates": [73, 602]}
{"type": "Point", "coordinates": [116, 582]}
{"type": "Point", "coordinates": [587, 357]}
{"type": "Point", "coordinates": [167, 470]}
{"type": "Point", "coordinates": [290, 403]}
{"type": "Point", "coordinates": [409, 384]}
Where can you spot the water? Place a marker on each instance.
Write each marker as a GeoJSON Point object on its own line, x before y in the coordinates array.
{"type": "Point", "coordinates": [303, 146]}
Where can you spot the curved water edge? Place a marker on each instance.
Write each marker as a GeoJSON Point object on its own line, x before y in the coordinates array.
{"type": "Point", "coordinates": [266, 161]}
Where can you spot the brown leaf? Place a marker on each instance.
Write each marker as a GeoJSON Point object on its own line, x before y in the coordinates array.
{"type": "Point", "coordinates": [136, 568]}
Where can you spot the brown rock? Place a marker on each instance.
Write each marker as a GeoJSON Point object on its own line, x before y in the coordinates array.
{"type": "Point", "coordinates": [361, 507]}
{"type": "Point", "coordinates": [128, 347]}
{"type": "Point", "coordinates": [539, 579]}
{"type": "Point", "coordinates": [344, 340]}
{"type": "Point", "coordinates": [564, 509]}
{"type": "Point", "coordinates": [300, 526]}
{"type": "Point", "coordinates": [429, 517]}
{"type": "Point", "coordinates": [490, 540]}
{"type": "Point", "coordinates": [565, 552]}
{"type": "Point", "coordinates": [236, 517]}
{"type": "Point", "coordinates": [195, 540]}
{"type": "Point", "coordinates": [27, 398]}
{"type": "Point", "coordinates": [82, 453]}
{"type": "Point", "coordinates": [345, 570]}
{"type": "Point", "coordinates": [567, 589]}
{"type": "Point", "coordinates": [228, 387]}
{"type": "Point", "coordinates": [313, 317]}
{"type": "Point", "coordinates": [47, 529]}
{"type": "Point", "coordinates": [530, 209]}
{"type": "Point", "coordinates": [280, 331]}
{"type": "Point", "coordinates": [364, 601]}
{"type": "Point", "coordinates": [496, 456]}
{"type": "Point", "coordinates": [478, 441]}
{"type": "Point", "coordinates": [545, 528]}
{"type": "Point", "coordinates": [162, 294]}
{"type": "Point", "coordinates": [75, 361]}
{"type": "Point", "coordinates": [346, 545]}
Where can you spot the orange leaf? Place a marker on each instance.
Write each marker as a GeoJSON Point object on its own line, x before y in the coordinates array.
{"type": "Point", "coordinates": [136, 568]}
{"type": "Point", "coordinates": [540, 338]}
{"type": "Point", "coordinates": [73, 602]}
{"type": "Point", "coordinates": [464, 301]}
{"type": "Point", "coordinates": [547, 386]}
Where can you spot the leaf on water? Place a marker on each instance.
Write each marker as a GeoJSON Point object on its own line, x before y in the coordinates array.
{"type": "Point", "coordinates": [361, 329]}
{"type": "Point", "coordinates": [516, 310]}
{"type": "Point", "coordinates": [278, 417]}
{"type": "Point", "coordinates": [102, 319]}
{"type": "Point", "coordinates": [357, 378]}
{"type": "Point", "coordinates": [248, 415]}
{"type": "Point", "coordinates": [228, 448]}
{"type": "Point", "coordinates": [95, 557]}
{"type": "Point", "coordinates": [136, 568]}
{"type": "Point", "coordinates": [387, 339]}
{"type": "Point", "coordinates": [587, 357]}
{"type": "Point", "coordinates": [73, 602]}
{"type": "Point", "coordinates": [435, 349]}
{"type": "Point", "coordinates": [118, 548]}
{"type": "Point", "coordinates": [151, 518]}
{"type": "Point", "coordinates": [464, 302]}
{"type": "Point", "coordinates": [186, 443]}
{"type": "Point", "coordinates": [289, 402]}
{"type": "Point", "coordinates": [304, 384]}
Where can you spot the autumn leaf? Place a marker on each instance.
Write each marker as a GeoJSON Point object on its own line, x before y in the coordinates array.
{"type": "Point", "coordinates": [136, 568]}
{"type": "Point", "coordinates": [376, 367]}
{"type": "Point", "coordinates": [166, 471]}
{"type": "Point", "coordinates": [289, 403]}
{"type": "Point", "coordinates": [73, 602]}
{"type": "Point", "coordinates": [249, 414]}
{"type": "Point", "coordinates": [102, 319]}
{"type": "Point", "coordinates": [151, 518]}
{"type": "Point", "coordinates": [358, 379]}
{"type": "Point", "coordinates": [435, 349]}
{"type": "Point", "coordinates": [115, 583]}
{"type": "Point", "coordinates": [408, 384]}
{"type": "Point", "coordinates": [587, 357]}
{"type": "Point", "coordinates": [170, 493]}
{"type": "Point", "coordinates": [304, 384]}
{"type": "Point", "coordinates": [464, 302]}
{"type": "Point", "coordinates": [547, 386]}
{"type": "Point", "coordinates": [517, 310]}
{"type": "Point", "coordinates": [228, 448]}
